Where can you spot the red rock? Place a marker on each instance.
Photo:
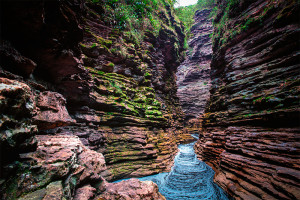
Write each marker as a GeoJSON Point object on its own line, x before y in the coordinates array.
{"type": "Point", "coordinates": [85, 193]}
{"type": "Point", "coordinates": [253, 162]}
{"type": "Point", "coordinates": [193, 75]}
{"type": "Point", "coordinates": [52, 111]}
{"type": "Point", "coordinates": [251, 123]}
{"type": "Point", "coordinates": [94, 164]}
{"type": "Point", "coordinates": [63, 157]}
{"type": "Point", "coordinates": [131, 189]}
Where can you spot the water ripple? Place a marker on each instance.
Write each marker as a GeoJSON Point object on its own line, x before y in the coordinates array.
{"type": "Point", "coordinates": [189, 179]}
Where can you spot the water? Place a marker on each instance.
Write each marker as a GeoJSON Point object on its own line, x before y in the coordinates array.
{"type": "Point", "coordinates": [189, 178]}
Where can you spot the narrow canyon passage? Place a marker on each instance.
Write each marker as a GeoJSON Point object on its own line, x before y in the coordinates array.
{"type": "Point", "coordinates": [94, 91]}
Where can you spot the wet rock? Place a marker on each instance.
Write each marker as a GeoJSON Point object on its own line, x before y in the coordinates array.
{"type": "Point", "coordinates": [260, 160]}
{"type": "Point", "coordinates": [147, 154]}
{"type": "Point", "coordinates": [131, 189]}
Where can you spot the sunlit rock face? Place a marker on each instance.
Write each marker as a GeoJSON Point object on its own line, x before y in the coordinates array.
{"type": "Point", "coordinates": [193, 75]}
{"type": "Point", "coordinates": [251, 122]}
{"type": "Point", "coordinates": [82, 102]}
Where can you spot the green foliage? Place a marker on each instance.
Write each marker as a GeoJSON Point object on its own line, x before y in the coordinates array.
{"type": "Point", "coordinates": [94, 45]}
{"type": "Point", "coordinates": [133, 16]}
{"type": "Point", "coordinates": [213, 12]}
{"type": "Point", "coordinates": [233, 3]}
{"type": "Point", "coordinates": [223, 33]}
{"type": "Point", "coordinates": [186, 15]}
{"type": "Point", "coordinates": [205, 3]}
{"type": "Point", "coordinates": [147, 75]}
{"type": "Point", "coordinates": [246, 25]}
{"type": "Point", "coordinates": [110, 64]}
{"type": "Point", "coordinates": [185, 45]}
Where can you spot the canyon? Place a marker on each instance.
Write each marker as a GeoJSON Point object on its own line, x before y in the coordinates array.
{"type": "Point", "coordinates": [251, 122]}
{"type": "Point", "coordinates": [83, 103]}
{"type": "Point", "coordinates": [86, 101]}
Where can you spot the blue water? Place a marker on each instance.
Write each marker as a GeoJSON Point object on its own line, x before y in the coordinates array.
{"type": "Point", "coordinates": [189, 178]}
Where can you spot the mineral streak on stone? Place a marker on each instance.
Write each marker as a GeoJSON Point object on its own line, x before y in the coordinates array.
{"type": "Point", "coordinates": [82, 102]}
{"type": "Point", "coordinates": [251, 122]}
{"type": "Point", "coordinates": [193, 75]}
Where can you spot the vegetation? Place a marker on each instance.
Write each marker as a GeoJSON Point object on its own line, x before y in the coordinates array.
{"type": "Point", "coordinates": [186, 14]}
{"type": "Point", "coordinates": [133, 17]}
{"type": "Point", "coordinates": [122, 97]}
{"type": "Point", "coordinates": [223, 33]}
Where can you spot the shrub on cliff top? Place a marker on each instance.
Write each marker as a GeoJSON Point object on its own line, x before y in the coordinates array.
{"type": "Point", "coordinates": [133, 16]}
{"type": "Point", "coordinates": [186, 14]}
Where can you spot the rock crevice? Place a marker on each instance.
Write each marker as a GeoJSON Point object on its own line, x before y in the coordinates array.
{"type": "Point", "coordinates": [193, 75]}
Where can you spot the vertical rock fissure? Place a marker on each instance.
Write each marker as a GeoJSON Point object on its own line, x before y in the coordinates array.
{"type": "Point", "coordinates": [193, 75]}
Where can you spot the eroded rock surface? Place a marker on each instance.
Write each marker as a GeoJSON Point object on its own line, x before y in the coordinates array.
{"type": "Point", "coordinates": [193, 75]}
{"type": "Point", "coordinates": [83, 102]}
{"type": "Point", "coordinates": [58, 156]}
{"type": "Point", "coordinates": [251, 135]}
{"type": "Point", "coordinates": [52, 111]}
{"type": "Point", "coordinates": [133, 189]}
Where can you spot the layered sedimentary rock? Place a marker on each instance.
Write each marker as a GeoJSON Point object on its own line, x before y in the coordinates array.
{"type": "Point", "coordinates": [193, 75]}
{"type": "Point", "coordinates": [82, 101]}
{"type": "Point", "coordinates": [251, 135]}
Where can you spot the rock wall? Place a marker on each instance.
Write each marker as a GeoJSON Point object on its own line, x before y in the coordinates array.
{"type": "Point", "coordinates": [193, 75]}
{"type": "Point", "coordinates": [251, 135]}
{"type": "Point", "coordinates": [82, 102]}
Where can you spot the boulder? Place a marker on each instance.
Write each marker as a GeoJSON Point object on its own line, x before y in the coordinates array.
{"type": "Point", "coordinates": [131, 189]}
{"type": "Point", "coordinates": [52, 111]}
